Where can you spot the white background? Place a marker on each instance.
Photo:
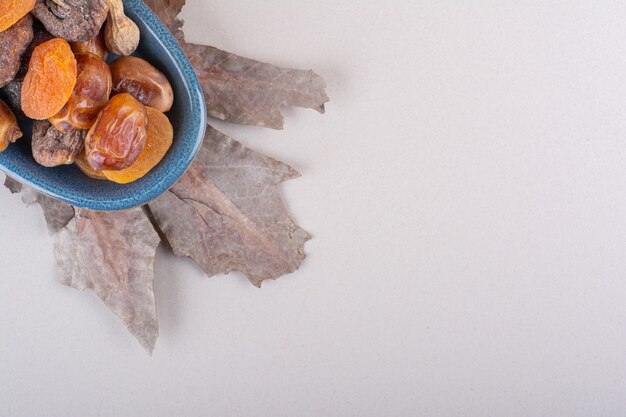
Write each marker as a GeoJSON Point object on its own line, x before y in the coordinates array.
{"type": "Point", "coordinates": [467, 194]}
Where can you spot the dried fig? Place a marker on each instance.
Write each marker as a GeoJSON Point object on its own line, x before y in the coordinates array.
{"type": "Point", "coordinates": [72, 20]}
{"type": "Point", "coordinates": [121, 34]}
{"type": "Point", "coordinates": [13, 43]}
{"type": "Point", "coordinates": [9, 130]}
{"type": "Point", "coordinates": [52, 148]}
{"type": "Point", "coordinates": [144, 82]}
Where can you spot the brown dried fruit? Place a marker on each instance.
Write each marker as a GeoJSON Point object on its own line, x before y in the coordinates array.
{"type": "Point", "coordinates": [13, 10]}
{"type": "Point", "coordinates": [139, 78]}
{"type": "Point", "coordinates": [90, 95]}
{"type": "Point", "coordinates": [94, 46]}
{"type": "Point", "coordinates": [83, 165]}
{"type": "Point", "coordinates": [50, 80]}
{"type": "Point", "coordinates": [158, 142]}
{"type": "Point", "coordinates": [119, 135]}
{"type": "Point", "coordinates": [9, 129]}
{"type": "Point", "coordinates": [121, 34]}
{"type": "Point", "coordinates": [52, 148]}
{"type": "Point", "coordinates": [72, 20]}
{"type": "Point", "coordinates": [13, 44]}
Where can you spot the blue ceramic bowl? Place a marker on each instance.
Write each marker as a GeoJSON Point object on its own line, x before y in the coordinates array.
{"type": "Point", "coordinates": [188, 116]}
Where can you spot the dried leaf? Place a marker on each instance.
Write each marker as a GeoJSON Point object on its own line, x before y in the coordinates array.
{"type": "Point", "coordinates": [244, 91]}
{"type": "Point", "coordinates": [249, 92]}
{"type": "Point", "coordinates": [112, 253]}
{"type": "Point", "coordinates": [56, 213]}
{"type": "Point", "coordinates": [167, 10]}
{"type": "Point", "coordinates": [226, 213]}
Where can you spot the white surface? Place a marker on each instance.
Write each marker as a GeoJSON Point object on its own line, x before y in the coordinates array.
{"type": "Point", "coordinates": [466, 190]}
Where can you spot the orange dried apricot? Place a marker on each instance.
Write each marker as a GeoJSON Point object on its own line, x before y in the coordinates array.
{"type": "Point", "coordinates": [50, 79]}
{"type": "Point", "coordinates": [13, 10]}
{"type": "Point", "coordinates": [94, 46]}
{"type": "Point", "coordinates": [83, 165]}
{"type": "Point", "coordinates": [91, 93]}
{"type": "Point", "coordinates": [117, 138]}
{"type": "Point", "coordinates": [144, 82]}
{"type": "Point", "coordinates": [158, 142]}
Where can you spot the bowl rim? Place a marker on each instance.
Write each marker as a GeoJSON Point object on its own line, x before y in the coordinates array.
{"type": "Point", "coordinates": [192, 84]}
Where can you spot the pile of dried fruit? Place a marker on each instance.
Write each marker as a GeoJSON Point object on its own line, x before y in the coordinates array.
{"type": "Point", "coordinates": [107, 119]}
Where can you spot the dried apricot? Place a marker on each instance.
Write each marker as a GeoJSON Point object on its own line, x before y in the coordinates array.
{"type": "Point", "coordinates": [117, 138]}
{"type": "Point", "coordinates": [50, 79]}
{"type": "Point", "coordinates": [158, 142]}
{"type": "Point", "coordinates": [9, 130]}
{"type": "Point", "coordinates": [144, 82]}
{"type": "Point", "coordinates": [94, 46]}
{"type": "Point", "coordinates": [83, 165]}
{"type": "Point", "coordinates": [90, 95]}
{"type": "Point", "coordinates": [13, 10]}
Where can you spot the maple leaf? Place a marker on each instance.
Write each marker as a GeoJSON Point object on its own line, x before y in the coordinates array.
{"type": "Point", "coordinates": [112, 253]}
{"type": "Point", "coordinates": [226, 213]}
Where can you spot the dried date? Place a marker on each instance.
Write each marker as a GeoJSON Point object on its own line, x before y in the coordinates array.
{"type": "Point", "coordinates": [119, 135]}
{"type": "Point", "coordinates": [72, 20]}
{"type": "Point", "coordinates": [13, 43]}
{"type": "Point", "coordinates": [91, 93]}
{"type": "Point", "coordinates": [52, 148]}
{"type": "Point", "coordinates": [94, 46]}
{"type": "Point", "coordinates": [144, 82]}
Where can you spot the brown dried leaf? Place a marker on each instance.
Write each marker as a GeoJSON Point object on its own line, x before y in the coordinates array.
{"type": "Point", "coordinates": [112, 253]}
{"type": "Point", "coordinates": [244, 91]}
{"type": "Point", "coordinates": [226, 213]}
{"type": "Point", "coordinates": [249, 92]}
{"type": "Point", "coordinates": [167, 10]}
{"type": "Point", "coordinates": [56, 213]}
